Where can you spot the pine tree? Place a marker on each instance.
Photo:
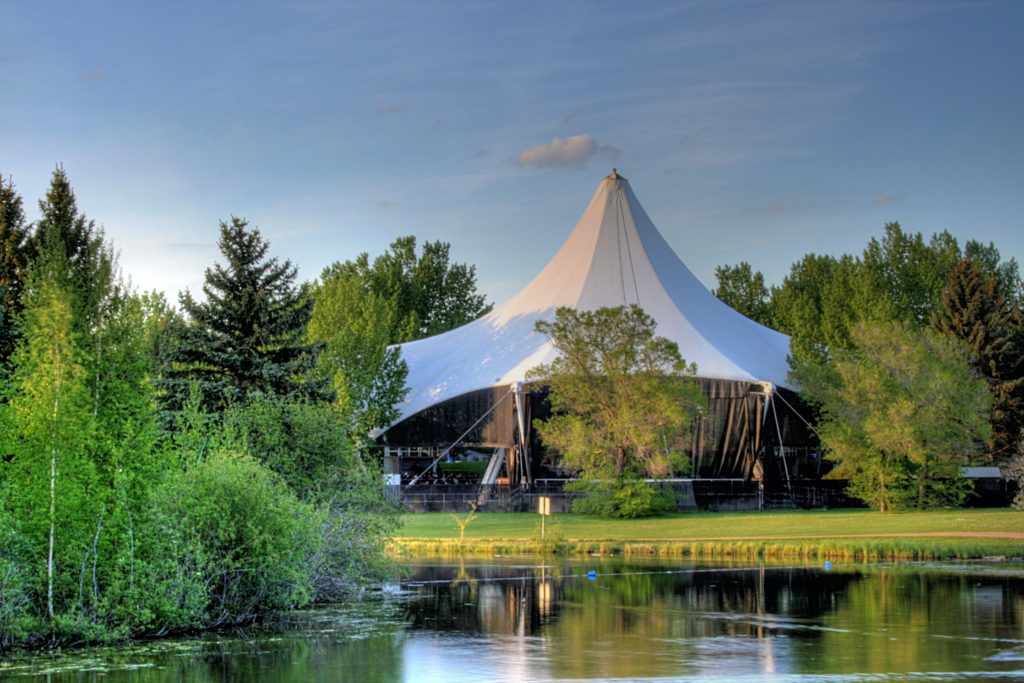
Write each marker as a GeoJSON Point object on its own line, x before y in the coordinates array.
{"type": "Point", "coordinates": [14, 254]}
{"type": "Point", "coordinates": [73, 251]}
{"type": "Point", "coordinates": [976, 309]}
{"type": "Point", "coordinates": [247, 337]}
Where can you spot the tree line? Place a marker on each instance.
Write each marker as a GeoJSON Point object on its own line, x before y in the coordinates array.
{"type": "Point", "coordinates": [912, 352]}
{"type": "Point", "coordinates": [166, 468]}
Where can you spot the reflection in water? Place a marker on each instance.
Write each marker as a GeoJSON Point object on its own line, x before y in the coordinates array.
{"type": "Point", "coordinates": [516, 621]}
{"type": "Point", "coordinates": [695, 621]}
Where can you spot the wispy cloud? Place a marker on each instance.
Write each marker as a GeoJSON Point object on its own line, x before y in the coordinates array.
{"type": "Point", "coordinates": [92, 75]}
{"type": "Point", "coordinates": [385, 109]}
{"type": "Point", "coordinates": [884, 199]}
{"type": "Point", "coordinates": [609, 152]}
{"type": "Point", "coordinates": [561, 153]}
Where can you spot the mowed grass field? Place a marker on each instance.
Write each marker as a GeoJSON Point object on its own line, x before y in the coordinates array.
{"type": "Point", "coordinates": [782, 524]}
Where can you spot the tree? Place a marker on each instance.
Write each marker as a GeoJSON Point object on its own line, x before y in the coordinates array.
{"type": "Point", "coordinates": [818, 303]}
{"type": "Point", "coordinates": [52, 479]}
{"type": "Point", "coordinates": [14, 254]}
{"type": "Point", "coordinates": [743, 289]}
{"type": "Point", "coordinates": [430, 294]}
{"type": "Point", "coordinates": [74, 253]}
{"type": "Point", "coordinates": [623, 399]}
{"type": "Point", "coordinates": [976, 310]}
{"type": "Point", "coordinates": [354, 326]}
{"type": "Point", "coordinates": [248, 336]}
{"type": "Point", "coordinates": [901, 413]}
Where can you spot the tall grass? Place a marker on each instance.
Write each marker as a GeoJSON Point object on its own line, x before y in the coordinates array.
{"type": "Point", "coordinates": [865, 549]}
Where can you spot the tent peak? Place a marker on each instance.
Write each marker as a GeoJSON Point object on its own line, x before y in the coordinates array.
{"type": "Point", "coordinates": [614, 175]}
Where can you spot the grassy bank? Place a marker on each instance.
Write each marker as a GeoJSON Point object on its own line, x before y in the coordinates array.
{"type": "Point", "coordinates": [846, 534]}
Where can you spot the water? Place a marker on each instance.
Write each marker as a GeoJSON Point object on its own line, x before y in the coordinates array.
{"type": "Point", "coordinates": [627, 621]}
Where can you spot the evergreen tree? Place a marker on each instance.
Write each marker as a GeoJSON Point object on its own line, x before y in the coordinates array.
{"type": "Point", "coordinates": [977, 310]}
{"type": "Point", "coordinates": [74, 254]}
{"type": "Point", "coordinates": [14, 253]}
{"type": "Point", "coordinates": [248, 336]}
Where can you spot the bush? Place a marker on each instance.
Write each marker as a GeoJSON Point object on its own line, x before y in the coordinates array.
{"type": "Point", "coordinates": [250, 538]}
{"type": "Point", "coordinates": [302, 442]}
{"type": "Point", "coordinates": [15, 595]}
{"type": "Point", "coordinates": [625, 498]}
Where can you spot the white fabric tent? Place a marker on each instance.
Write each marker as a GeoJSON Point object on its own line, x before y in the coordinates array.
{"type": "Point", "coordinates": [614, 256]}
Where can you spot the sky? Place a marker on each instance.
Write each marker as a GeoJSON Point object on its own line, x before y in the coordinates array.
{"type": "Point", "coordinates": [749, 131]}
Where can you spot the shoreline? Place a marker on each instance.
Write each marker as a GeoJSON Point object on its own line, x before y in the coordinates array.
{"type": "Point", "coordinates": [928, 546]}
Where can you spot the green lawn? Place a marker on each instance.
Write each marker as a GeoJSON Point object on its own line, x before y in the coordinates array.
{"type": "Point", "coordinates": [714, 525]}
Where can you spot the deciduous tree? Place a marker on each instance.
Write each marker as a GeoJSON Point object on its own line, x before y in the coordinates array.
{"type": "Point", "coordinates": [902, 411]}
{"type": "Point", "coordinates": [355, 324]}
{"type": "Point", "coordinates": [430, 294]}
{"type": "Point", "coordinates": [744, 290]}
{"type": "Point", "coordinates": [623, 398]}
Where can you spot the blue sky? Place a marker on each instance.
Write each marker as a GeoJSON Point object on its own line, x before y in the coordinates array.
{"type": "Point", "coordinates": [755, 131]}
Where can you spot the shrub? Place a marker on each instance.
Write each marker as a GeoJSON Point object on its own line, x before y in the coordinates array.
{"type": "Point", "coordinates": [15, 598]}
{"type": "Point", "coordinates": [252, 538]}
{"type": "Point", "coordinates": [624, 498]}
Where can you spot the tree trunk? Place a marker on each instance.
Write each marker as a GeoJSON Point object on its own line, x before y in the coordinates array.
{"type": "Point", "coordinates": [881, 489]}
{"type": "Point", "coordinates": [53, 514]}
{"type": "Point", "coordinates": [53, 487]}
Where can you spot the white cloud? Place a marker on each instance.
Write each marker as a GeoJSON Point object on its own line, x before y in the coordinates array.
{"type": "Point", "coordinates": [562, 152]}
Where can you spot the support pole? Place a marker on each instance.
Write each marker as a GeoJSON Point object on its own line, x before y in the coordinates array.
{"type": "Point", "coordinates": [782, 448]}
{"type": "Point", "coordinates": [524, 442]}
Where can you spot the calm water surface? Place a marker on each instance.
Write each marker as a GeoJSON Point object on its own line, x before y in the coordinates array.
{"type": "Point", "coordinates": [515, 620]}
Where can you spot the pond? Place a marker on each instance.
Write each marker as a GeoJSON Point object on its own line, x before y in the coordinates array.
{"type": "Point", "coordinates": [611, 620]}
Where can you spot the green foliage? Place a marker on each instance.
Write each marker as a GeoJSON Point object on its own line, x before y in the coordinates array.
{"type": "Point", "coordinates": [901, 413]}
{"type": "Point", "coordinates": [106, 533]}
{"type": "Point", "coordinates": [355, 326]}
{"type": "Point", "coordinates": [68, 250]}
{"type": "Point", "coordinates": [306, 447]}
{"type": "Point", "coordinates": [744, 290]}
{"type": "Point", "coordinates": [428, 293]}
{"type": "Point", "coordinates": [900, 277]}
{"type": "Point", "coordinates": [978, 311]}
{"type": "Point", "coordinates": [52, 482]}
{"type": "Point", "coordinates": [254, 536]}
{"type": "Point", "coordinates": [820, 301]}
{"type": "Point", "coordinates": [15, 583]}
{"type": "Point", "coordinates": [623, 399]}
{"type": "Point", "coordinates": [908, 274]}
{"type": "Point", "coordinates": [622, 498]}
{"type": "Point", "coordinates": [302, 442]}
{"type": "Point", "coordinates": [248, 336]}
{"type": "Point", "coordinates": [14, 258]}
